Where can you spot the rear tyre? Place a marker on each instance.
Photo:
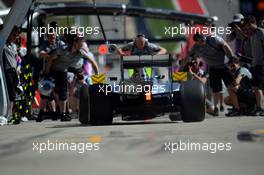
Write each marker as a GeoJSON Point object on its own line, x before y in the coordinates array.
{"type": "Point", "coordinates": [101, 106]}
{"type": "Point", "coordinates": [95, 106]}
{"type": "Point", "coordinates": [193, 101]}
{"type": "Point", "coordinates": [175, 116]}
{"type": "Point", "coordinates": [84, 107]}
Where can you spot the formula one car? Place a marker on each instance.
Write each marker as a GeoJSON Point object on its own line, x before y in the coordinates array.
{"type": "Point", "coordinates": [96, 106]}
{"type": "Point", "coordinates": [140, 96]}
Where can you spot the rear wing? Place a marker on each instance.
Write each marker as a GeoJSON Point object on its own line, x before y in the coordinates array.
{"type": "Point", "coordinates": [132, 62]}
{"type": "Point", "coordinates": [135, 62]}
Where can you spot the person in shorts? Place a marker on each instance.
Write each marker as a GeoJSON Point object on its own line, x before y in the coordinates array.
{"type": "Point", "coordinates": [46, 49]}
{"type": "Point", "coordinates": [58, 63]}
{"type": "Point", "coordinates": [256, 36]}
{"type": "Point", "coordinates": [214, 50]}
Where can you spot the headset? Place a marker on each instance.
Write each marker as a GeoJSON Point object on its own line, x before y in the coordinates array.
{"type": "Point", "coordinates": [46, 87]}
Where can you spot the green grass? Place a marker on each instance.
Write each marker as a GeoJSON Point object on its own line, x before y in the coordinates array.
{"type": "Point", "coordinates": [158, 4]}
{"type": "Point", "coordinates": [157, 25]}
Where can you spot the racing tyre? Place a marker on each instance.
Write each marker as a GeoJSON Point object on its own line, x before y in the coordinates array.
{"type": "Point", "coordinates": [84, 106]}
{"type": "Point", "coordinates": [175, 117]}
{"type": "Point", "coordinates": [193, 101]}
{"type": "Point", "coordinates": [95, 106]}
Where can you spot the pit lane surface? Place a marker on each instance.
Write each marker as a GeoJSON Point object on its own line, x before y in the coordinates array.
{"type": "Point", "coordinates": [132, 148]}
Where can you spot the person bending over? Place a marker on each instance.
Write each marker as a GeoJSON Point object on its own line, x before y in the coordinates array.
{"type": "Point", "coordinates": [59, 62]}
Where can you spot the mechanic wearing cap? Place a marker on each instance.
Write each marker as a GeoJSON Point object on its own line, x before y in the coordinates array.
{"type": "Point", "coordinates": [45, 50]}
{"type": "Point", "coordinates": [59, 62]}
{"type": "Point", "coordinates": [242, 41]}
{"type": "Point", "coordinates": [10, 69]}
{"type": "Point", "coordinates": [236, 31]}
{"type": "Point", "coordinates": [214, 51]}
{"type": "Point", "coordinates": [141, 46]}
{"type": "Point", "coordinates": [256, 36]}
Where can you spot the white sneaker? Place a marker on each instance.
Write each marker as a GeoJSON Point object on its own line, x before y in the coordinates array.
{"type": "Point", "coordinates": [24, 119]}
{"type": "Point", "coordinates": [3, 121]}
